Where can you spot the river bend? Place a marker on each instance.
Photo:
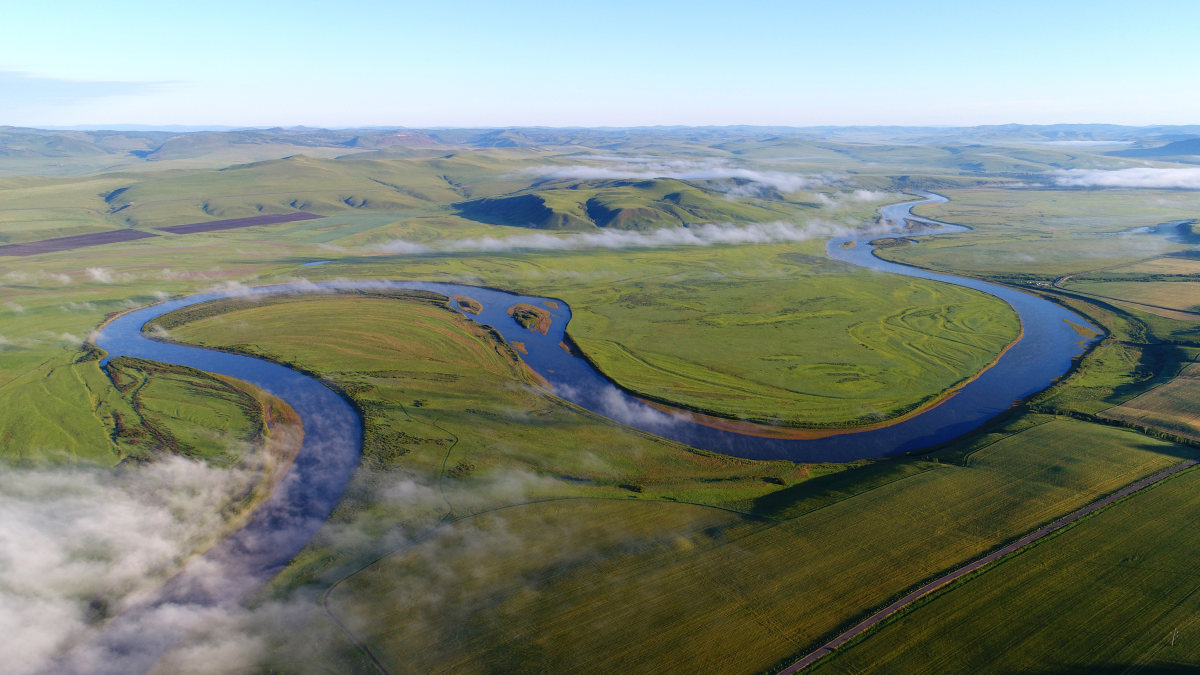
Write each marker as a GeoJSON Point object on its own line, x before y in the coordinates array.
{"type": "Point", "coordinates": [281, 527]}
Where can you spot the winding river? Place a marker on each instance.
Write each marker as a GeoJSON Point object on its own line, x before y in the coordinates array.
{"type": "Point", "coordinates": [286, 522]}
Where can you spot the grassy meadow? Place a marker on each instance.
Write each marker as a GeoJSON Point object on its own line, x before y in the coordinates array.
{"type": "Point", "coordinates": [625, 205]}
{"type": "Point", "coordinates": [491, 526]}
{"type": "Point", "coordinates": [840, 349]}
{"type": "Point", "coordinates": [138, 410]}
{"type": "Point", "coordinates": [735, 598]}
{"type": "Point", "coordinates": [438, 392]}
{"type": "Point", "coordinates": [692, 584]}
{"type": "Point", "coordinates": [771, 332]}
{"type": "Point", "coordinates": [1045, 234]}
{"type": "Point", "coordinates": [772, 363]}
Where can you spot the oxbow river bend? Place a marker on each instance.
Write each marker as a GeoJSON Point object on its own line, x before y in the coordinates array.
{"type": "Point", "coordinates": [285, 523]}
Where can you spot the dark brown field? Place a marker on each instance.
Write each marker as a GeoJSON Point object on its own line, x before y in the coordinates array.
{"type": "Point", "coordinates": [232, 223]}
{"type": "Point", "coordinates": [77, 241]}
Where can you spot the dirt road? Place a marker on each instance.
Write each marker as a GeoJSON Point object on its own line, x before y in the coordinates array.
{"type": "Point", "coordinates": [950, 577]}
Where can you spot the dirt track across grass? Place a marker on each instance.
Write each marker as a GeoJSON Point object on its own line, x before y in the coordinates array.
{"type": "Point", "coordinates": [950, 577]}
{"type": "Point", "coordinates": [233, 223]}
{"type": "Point", "coordinates": [77, 241]}
{"type": "Point", "coordinates": [116, 236]}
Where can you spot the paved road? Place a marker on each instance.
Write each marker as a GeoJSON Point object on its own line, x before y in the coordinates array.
{"type": "Point", "coordinates": [934, 585]}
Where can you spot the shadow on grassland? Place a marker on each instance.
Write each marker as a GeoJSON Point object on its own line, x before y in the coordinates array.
{"type": "Point", "coordinates": [1157, 668]}
{"type": "Point", "coordinates": [815, 493]}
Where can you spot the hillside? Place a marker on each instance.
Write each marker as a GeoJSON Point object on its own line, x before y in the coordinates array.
{"type": "Point", "coordinates": [620, 204]}
{"type": "Point", "coordinates": [320, 185]}
{"type": "Point", "coordinates": [1186, 148]}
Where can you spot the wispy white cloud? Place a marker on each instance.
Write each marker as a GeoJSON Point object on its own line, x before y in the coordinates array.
{"type": "Point", "coordinates": [78, 544]}
{"type": "Point", "coordinates": [1188, 179]}
{"type": "Point", "coordinates": [696, 235]}
{"type": "Point", "coordinates": [28, 88]}
{"type": "Point", "coordinates": [742, 181]}
{"type": "Point", "coordinates": [403, 247]}
{"type": "Point", "coordinates": [100, 274]}
{"type": "Point", "coordinates": [33, 278]}
{"type": "Point", "coordinates": [836, 200]}
{"type": "Point", "coordinates": [1081, 144]}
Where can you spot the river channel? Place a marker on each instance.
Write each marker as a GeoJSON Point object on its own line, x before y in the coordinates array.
{"type": "Point", "coordinates": [285, 522]}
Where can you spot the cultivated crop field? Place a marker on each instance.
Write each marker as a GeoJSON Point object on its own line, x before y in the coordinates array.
{"type": "Point", "coordinates": [1032, 613]}
{"type": "Point", "coordinates": [1169, 264]}
{"type": "Point", "coordinates": [1173, 299]}
{"type": "Point", "coordinates": [1173, 405]}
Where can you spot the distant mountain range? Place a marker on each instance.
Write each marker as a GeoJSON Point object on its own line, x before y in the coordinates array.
{"type": "Point", "coordinates": [28, 151]}
{"type": "Point", "coordinates": [150, 142]}
{"type": "Point", "coordinates": [1180, 150]}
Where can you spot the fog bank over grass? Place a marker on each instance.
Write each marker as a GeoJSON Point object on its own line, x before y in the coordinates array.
{"type": "Point", "coordinates": [696, 235]}
{"type": "Point", "coordinates": [78, 544]}
{"type": "Point", "coordinates": [83, 550]}
{"type": "Point", "coordinates": [840, 199]}
{"type": "Point", "coordinates": [743, 180]}
{"type": "Point", "coordinates": [1186, 179]}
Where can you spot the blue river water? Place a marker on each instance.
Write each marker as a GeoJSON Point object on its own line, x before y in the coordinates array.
{"type": "Point", "coordinates": [281, 527]}
{"type": "Point", "coordinates": [1045, 351]}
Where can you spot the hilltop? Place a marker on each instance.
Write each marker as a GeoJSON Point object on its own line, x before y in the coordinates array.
{"type": "Point", "coordinates": [620, 204]}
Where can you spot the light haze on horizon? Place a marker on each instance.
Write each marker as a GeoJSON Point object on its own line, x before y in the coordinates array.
{"type": "Point", "coordinates": [622, 63]}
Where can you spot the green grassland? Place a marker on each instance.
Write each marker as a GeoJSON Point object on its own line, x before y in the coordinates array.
{"type": "Point", "coordinates": [437, 389]}
{"type": "Point", "coordinates": [679, 586]}
{"type": "Point", "coordinates": [44, 208]}
{"type": "Point", "coordinates": [1140, 351]}
{"type": "Point", "coordinates": [70, 153]}
{"type": "Point", "coordinates": [901, 158]}
{"type": "Point", "coordinates": [781, 367]}
{"type": "Point", "coordinates": [622, 204]}
{"type": "Point", "coordinates": [494, 527]}
{"type": "Point", "coordinates": [1061, 244]}
{"type": "Point", "coordinates": [735, 598]}
{"type": "Point", "coordinates": [187, 412]}
{"type": "Point", "coordinates": [1104, 596]}
{"type": "Point", "coordinates": [773, 332]}
{"type": "Point", "coordinates": [326, 186]}
{"type": "Point", "coordinates": [133, 412]}
{"type": "Point", "coordinates": [1046, 234]}
{"type": "Point", "coordinates": [761, 349]}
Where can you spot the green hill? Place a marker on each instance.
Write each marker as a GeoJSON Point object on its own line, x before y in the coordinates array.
{"type": "Point", "coordinates": [1188, 148]}
{"type": "Point", "coordinates": [304, 183]}
{"type": "Point", "coordinates": [621, 204]}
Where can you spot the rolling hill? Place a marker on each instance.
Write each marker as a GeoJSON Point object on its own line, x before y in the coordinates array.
{"type": "Point", "coordinates": [621, 204]}
{"type": "Point", "coordinates": [1187, 149]}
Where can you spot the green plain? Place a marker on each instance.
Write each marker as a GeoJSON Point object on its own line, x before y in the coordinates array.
{"type": "Point", "coordinates": [701, 589]}
{"type": "Point", "coordinates": [494, 527]}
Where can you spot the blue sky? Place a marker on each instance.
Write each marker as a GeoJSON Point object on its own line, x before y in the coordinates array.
{"type": "Point", "coordinates": [606, 63]}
